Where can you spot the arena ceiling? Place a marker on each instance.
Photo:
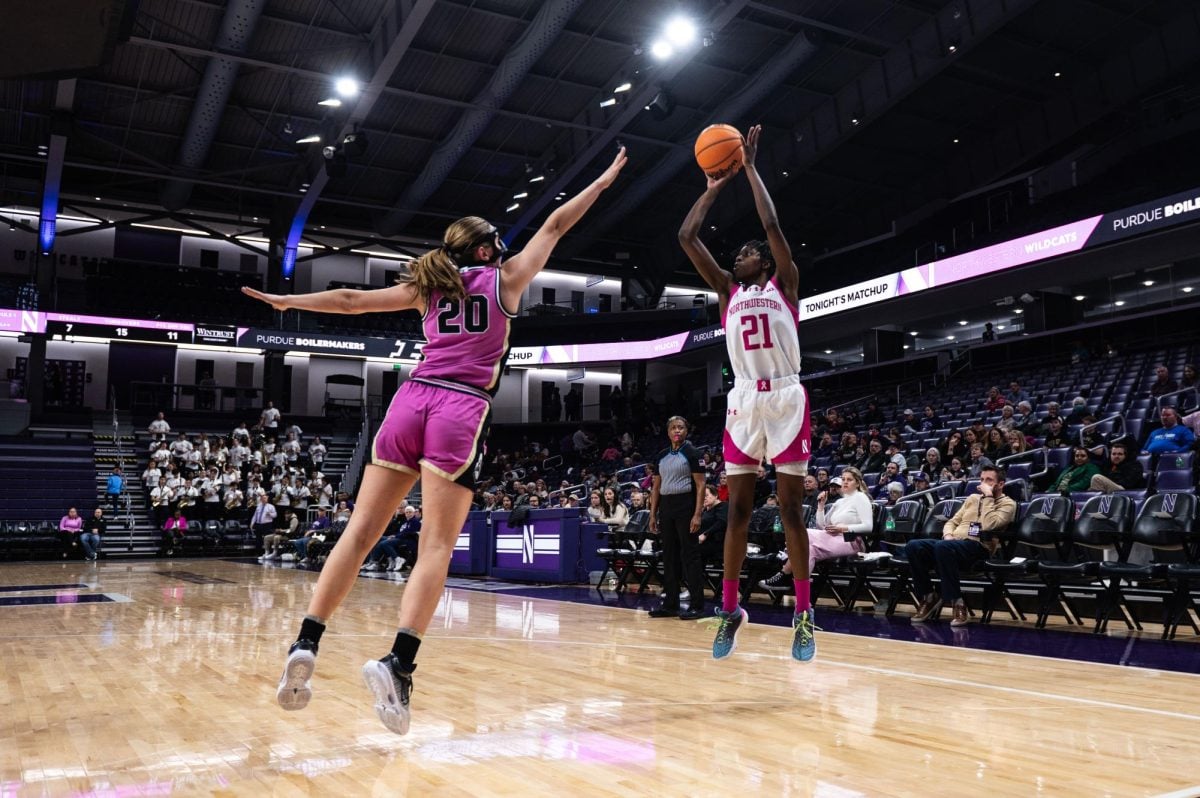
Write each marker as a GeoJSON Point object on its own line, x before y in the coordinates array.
{"type": "Point", "coordinates": [875, 111]}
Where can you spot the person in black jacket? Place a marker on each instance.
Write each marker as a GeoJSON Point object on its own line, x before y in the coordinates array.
{"type": "Point", "coordinates": [93, 531]}
{"type": "Point", "coordinates": [1119, 473]}
{"type": "Point", "coordinates": [713, 521]}
{"type": "Point", "coordinates": [676, 505]}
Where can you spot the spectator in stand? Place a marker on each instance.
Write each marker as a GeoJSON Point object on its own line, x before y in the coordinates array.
{"type": "Point", "coordinates": [891, 475]}
{"type": "Point", "coordinates": [1172, 437]}
{"type": "Point", "coordinates": [822, 480]}
{"type": "Point", "coordinates": [1190, 379]}
{"type": "Point", "coordinates": [1055, 436]}
{"type": "Point", "coordinates": [895, 454]}
{"type": "Point", "coordinates": [826, 449]}
{"type": "Point", "coordinates": [952, 446]}
{"type": "Point", "coordinates": [616, 514]}
{"type": "Point", "coordinates": [1017, 444]}
{"type": "Point", "coordinates": [93, 534]}
{"type": "Point", "coordinates": [894, 493]}
{"type": "Point", "coordinates": [1026, 419]}
{"type": "Point", "coordinates": [996, 446]}
{"type": "Point", "coordinates": [180, 447]}
{"type": "Point", "coordinates": [713, 521]}
{"type": "Point", "coordinates": [343, 511]}
{"type": "Point", "coordinates": [967, 538]}
{"type": "Point", "coordinates": [848, 452]}
{"type": "Point", "coordinates": [70, 526]}
{"type": "Point", "coordinates": [1016, 395]}
{"type": "Point", "coordinates": [159, 428]}
{"type": "Point", "coordinates": [291, 449]}
{"type": "Point", "coordinates": [268, 422]}
{"type": "Point", "coordinates": [316, 453]}
{"type": "Point", "coordinates": [583, 444]}
{"type": "Point", "coordinates": [393, 551]}
{"type": "Point", "coordinates": [920, 481]}
{"type": "Point", "coordinates": [173, 531]}
{"type": "Point", "coordinates": [595, 508]}
{"type": "Point", "coordinates": [930, 421]}
{"type": "Point", "coordinates": [1119, 473]}
{"type": "Point", "coordinates": [977, 461]}
{"type": "Point", "coordinates": [988, 335]}
{"type": "Point", "coordinates": [849, 513]}
{"type": "Point", "coordinates": [723, 487]}
{"type": "Point", "coordinates": [319, 526]}
{"type": "Point", "coordinates": [811, 490]}
{"type": "Point", "coordinates": [1078, 476]}
{"type": "Point", "coordinates": [1007, 420]}
{"type": "Point", "coordinates": [234, 501]}
{"type": "Point", "coordinates": [1078, 411]}
{"type": "Point", "coordinates": [1163, 384]}
{"type": "Point", "coordinates": [932, 464]}
{"type": "Point", "coordinates": [161, 497]}
{"type": "Point", "coordinates": [954, 471]}
{"type": "Point", "coordinates": [114, 487]}
{"type": "Point", "coordinates": [875, 459]}
{"type": "Point", "coordinates": [995, 400]}
{"type": "Point", "coordinates": [161, 456]}
{"type": "Point", "coordinates": [278, 540]}
{"type": "Point", "coordinates": [262, 521]}
{"type": "Point", "coordinates": [1052, 414]}
{"type": "Point", "coordinates": [762, 487]}
{"type": "Point", "coordinates": [873, 415]}
{"type": "Point", "coordinates": [909, 422]}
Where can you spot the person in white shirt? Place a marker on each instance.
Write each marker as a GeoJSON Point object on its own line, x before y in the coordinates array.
{"type": "Point", "coordinates": [187, 496]}
{"type": "Point", "coordinates": [323, 492]}
{"type": "Point", "coordinates": [241, 431]}
{"type": "Point", "coordinates": [211, 504]}
{"type": "Point", "coordinates": [180, 446]}
{"type": "Point", "coordinates": [203, 445]}
{"type": "Point", "coordinates": [299, 495]}
{"type": "Point", "coordinates": [239, 454]}
{"type": "Point", "coordinates": [294, 430]}
{"type": "Point", "coordinates": [291, 448]}
{"type": "Point", "coordinates": [151, 475]}
{"type": "Point", "coordinates": [233, 501]}
{"type": "Point", "coordinates": [279, 458]}
{"type": "Point", "coordinates": [160, 501]}
{"type": "Point", "coordinates": [262, 520]}
{"type": "Point", "coordinates": [220, 454]}
{"type": "Point", "coordinates": [850, 513]}
{"type": "Point", "coordinates": [281, 493]}
{"type": "Point", "coordinates": [161, 456]}
{"type": "Point", "coordinates": [270, 417]}
{"type": "Point", "coordinates": [230, 477]}
{"type": "Point", "coordinates": [316, 453]}
{"type": "Point", "coordinates": [194, 460]}
{"type": "Point", "coordinates": [159, 428]}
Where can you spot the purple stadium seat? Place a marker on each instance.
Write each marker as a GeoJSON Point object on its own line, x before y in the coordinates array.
{"type": "Point", "coordinates": [1174, 480]}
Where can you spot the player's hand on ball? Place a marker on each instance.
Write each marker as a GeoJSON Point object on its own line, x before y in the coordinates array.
{"type": "Point", "coordinates": [718, 182]}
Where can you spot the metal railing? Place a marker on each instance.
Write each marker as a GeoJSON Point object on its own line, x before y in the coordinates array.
{"type": "Point", "coordinates": [848, 402]}
{"type": "Point", "coordinates": [1158, 400]}
{"type": "Point", "coordinates": [1095, 424]}
{"type": "Point", "coordinates": [358, 458]}
{"type": "Point", "coordinates": [126, 497]}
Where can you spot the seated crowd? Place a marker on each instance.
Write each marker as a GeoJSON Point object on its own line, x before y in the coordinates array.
{"type": "Point", "coordinates": [216, 478]}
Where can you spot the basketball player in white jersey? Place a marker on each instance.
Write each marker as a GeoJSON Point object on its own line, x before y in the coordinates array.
{"type": "Point", "coordinates": [767, 417]}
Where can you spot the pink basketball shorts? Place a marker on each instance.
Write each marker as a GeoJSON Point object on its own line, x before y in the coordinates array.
{"type": "Point", "coordinates": [439, 425]}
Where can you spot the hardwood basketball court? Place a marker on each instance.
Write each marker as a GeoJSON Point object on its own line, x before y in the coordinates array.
{"type": "Point", "coordinates": [157, 678]}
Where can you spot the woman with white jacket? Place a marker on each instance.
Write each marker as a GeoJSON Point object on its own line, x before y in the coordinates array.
{"type": "Point", "coordinates": [850, 513]}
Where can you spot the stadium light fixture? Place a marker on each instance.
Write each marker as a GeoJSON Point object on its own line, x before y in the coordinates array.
{"type": "Point", "coordinates": [313, 139]}
{"type": "Point", "coordinates": [346, 86]}
{"type": "Point", "coordinates": [626, 86]}
{"type": "Point", "coordinates": [512, 207]}
{"type": "Point", "coordinates": [1147, 283]}
{"type": "Point", "coordinates": [1187, 289]}
{"type": "Point", "coordinates": [331, 102]}
{"type": "Point", "coordinates": [680, 31]}
{"type": "Point", "coordinates": [611, 101]}
{"type": "Point", "coordinates": [661, 49]}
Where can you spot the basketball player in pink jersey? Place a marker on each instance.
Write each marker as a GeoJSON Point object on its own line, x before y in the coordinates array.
{"type": "Point", "coordinates": [434, 429]}
{"type": "Point", "coordinates": [767, 417]}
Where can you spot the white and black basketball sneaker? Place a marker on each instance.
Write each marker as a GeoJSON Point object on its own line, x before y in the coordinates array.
{"type": "Point", "coordinates": [777, 583]}
{"type": "Point", "coordinates": [295, 689]}
{"type": "Point", "coordinates": [391, 685]}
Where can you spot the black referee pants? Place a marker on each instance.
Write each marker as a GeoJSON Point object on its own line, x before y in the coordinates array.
{"type": "Point", "coordinates": [680, 550]}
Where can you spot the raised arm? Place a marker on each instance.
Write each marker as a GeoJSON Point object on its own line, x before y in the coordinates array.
{"type": "Point", "coordinates": [347, 301]}
{"type": "Point", "coordinates": [785, 268]}
{"type": "Point", "coordinates": [516, 274]}
{"type": "Point", "coordinates": [689, 238]}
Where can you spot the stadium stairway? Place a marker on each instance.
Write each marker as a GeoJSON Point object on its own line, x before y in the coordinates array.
{"type": "Point", "coordinates": [131, 532]}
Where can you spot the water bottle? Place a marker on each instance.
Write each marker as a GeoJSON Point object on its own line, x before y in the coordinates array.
{"type": "Point", "coordinates": [778, 526]}
{"type": "Point", "coordinates": [890, 523]}
{"type": "Point", "coordinates": [1179, 462]}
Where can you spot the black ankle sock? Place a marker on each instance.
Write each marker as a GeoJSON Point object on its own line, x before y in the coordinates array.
{"type": "Point", "coordinates": [311, 629]}
{"type": "Point", "coordinates": [404, 649]}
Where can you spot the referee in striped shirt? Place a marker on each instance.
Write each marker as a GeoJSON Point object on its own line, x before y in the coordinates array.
{"type": "Point", "coordinates": [676, 504]}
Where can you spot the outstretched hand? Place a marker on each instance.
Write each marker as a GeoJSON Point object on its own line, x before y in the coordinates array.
{"type": "Point", "coordinates": [750, 146]}
{"type": "Point", "coordinates": [277, 301]}
{"type": "Point", "coordinates": [610, 174]}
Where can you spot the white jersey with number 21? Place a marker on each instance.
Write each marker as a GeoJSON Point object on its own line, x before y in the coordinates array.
{"type": "Point", "coordinates": [760, 333]}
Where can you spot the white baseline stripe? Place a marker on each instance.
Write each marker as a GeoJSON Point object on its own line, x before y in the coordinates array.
{"type": "Point", "coordinates": [1186, 792]}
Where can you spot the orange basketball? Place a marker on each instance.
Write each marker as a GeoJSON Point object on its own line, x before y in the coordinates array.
{"type": "Point", "coordinates": [719, 150]}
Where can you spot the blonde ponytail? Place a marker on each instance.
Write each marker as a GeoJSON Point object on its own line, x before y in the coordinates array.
{"type": "Point", "coordinates": [437, 269]}
{"type": "Point", "coordinates": [434, 271]}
